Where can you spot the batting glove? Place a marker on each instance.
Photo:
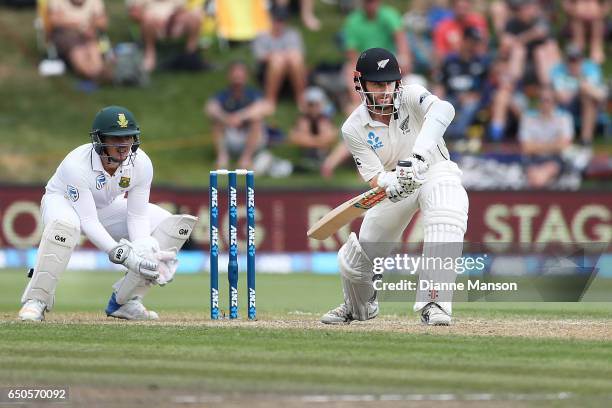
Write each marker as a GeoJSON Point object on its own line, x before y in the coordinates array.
{"type": "Point", "coordinates": [395, 192]}
{"type": "Point", "coordinates": [411, 173]}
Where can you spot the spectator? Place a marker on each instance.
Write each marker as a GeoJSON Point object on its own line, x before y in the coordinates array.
{"type": "Point", "coordinates": [528, 42]}
{"type": "Point", "coordinates": [579, 88]}
{"type": "Point", "coordinates": [314, 132]}
{"type": "Point", "coordinates": [505, 96]}
{"type": "Point", "coordinates": [280, 55]}
{"type": "Point", "coordinates": [306, 8]}
{"type": "Point", "coordinates": [588, 18]}
{"type": "Point", "coordinates": [162, 19]}
{"type": "Point", "coordinates": [448, 35]}
{"type": "Point", "coordinates": [74, 26]}
{"type": "Point", "coordinates": [373, 25]}
{"type": "Point", "coordinates": [237, 113]}
{"type": "Point", "coordinates": [501, 11]}
{"type": "Point", "coordinates": [420, 21]}
{"type": "Point", "coordinates": [544, 135]}
{"type": "Point", "coordinates": [461, 80]}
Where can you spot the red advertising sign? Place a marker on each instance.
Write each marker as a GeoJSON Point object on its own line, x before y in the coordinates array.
{"type": "Point", "coordinates": [283, 217]}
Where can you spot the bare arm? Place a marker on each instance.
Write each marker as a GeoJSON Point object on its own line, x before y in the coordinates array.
{"type": "Point", "coordinates": [58, 19]}
{"type": "Point", "coordinates": [301, 135]}
{"type": "Point", "coordinates": [556, 147]}
{"type": "Point", "coordinates": [339, 154]}
{"type": "Point", "coordinates": [214, 110]}
{"type": "Point", "coordinates": [255, 111]}
{"type": "Point", "coordinates": [404, 57]}
{"type": "Point", "coordinates": [349, 66]}
{"type": "Point", "coordinates": [100, 22]}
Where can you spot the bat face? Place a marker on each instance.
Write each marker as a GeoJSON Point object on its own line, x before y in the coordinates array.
{"type": "Point", "coordinates": [345, 213]}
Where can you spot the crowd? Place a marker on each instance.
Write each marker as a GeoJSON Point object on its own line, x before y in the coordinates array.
{"type": "Point", "coordinates": [519, 72]}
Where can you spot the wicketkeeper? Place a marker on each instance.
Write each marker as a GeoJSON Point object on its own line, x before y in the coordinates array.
{"type": "Point", "coordinates": [102, 190]}
{"type": "Point", "coordinates": [396, 139]}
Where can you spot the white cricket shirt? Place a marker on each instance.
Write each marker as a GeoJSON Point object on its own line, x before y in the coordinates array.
{"type": "Point", "coordinates": [82, 180]}
{"type": "Point", "coordinates": [377, 147]}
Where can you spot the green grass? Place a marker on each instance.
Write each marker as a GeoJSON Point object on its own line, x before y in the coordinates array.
{"type": "Point", "coordinates": [191, 354]}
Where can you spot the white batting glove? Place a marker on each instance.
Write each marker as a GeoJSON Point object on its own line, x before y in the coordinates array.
{"type": "Point", "coordinates": [411, 173]}
{"type": "Point", "coordinates": [125, 255]}
{"type": "Point", "coordinates": [388, 180]}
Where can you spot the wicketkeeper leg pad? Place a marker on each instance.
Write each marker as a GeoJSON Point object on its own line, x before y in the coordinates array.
{"type": "Point", "coordinates": [58, 240]}
{"type": "Point", "coordinates": [356, 271]}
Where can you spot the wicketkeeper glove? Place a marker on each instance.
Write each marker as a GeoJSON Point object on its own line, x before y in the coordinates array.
{"type": "Point", "coordinates": [125, 255]}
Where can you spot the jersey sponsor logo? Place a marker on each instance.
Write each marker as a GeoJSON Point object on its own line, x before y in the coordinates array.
{"type": "Point", "coordinates": [124, 182]}
{"type": "Point", "coordinates": [423, 96]}
{"type": "Point", "coordinates": [357, 161]}
{"type": "Point", "coordinates": [374, 141]}
{"type": "Point", "coordinates": [100, 181]}
{"type": "Point", "coordinates": [72, 193]}
{"type": "Point", "coordinates": [122, 120]}
{"type": "Point", "coordinates": [382, 64]}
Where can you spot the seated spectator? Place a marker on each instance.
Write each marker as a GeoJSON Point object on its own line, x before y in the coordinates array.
{"type": "Point", "coordinates": [314, 132]}
{"type": "Point", "coordinates": [587, 18]}
{"type": "Point", "coordinates": [237, 113]}
{"type": "Point", "coordinates": [579, 88]}
{"type": "Point", "coordinates": [448, 35]}
{"type": "Point", "coordinates": [280, 55]}
{"type": "Point", "coordinates": [420, 21]}
{"type": "Point", "coordinates": [162, 19]}
{"type": "Point", "coordinates": [306, 9]}
{"type": "Point", "coordinates": [373, 25]}
{"type": "Point", "coordinates": [74, 26]}
{"type": "Point", "coordinates": [502, 10]}
{"type": "Point", "coordinates": [461, 80]}
{"type": "Point", "coordinates": [528, 42]}
{"type": "Point", "coordinates": [544, 135]}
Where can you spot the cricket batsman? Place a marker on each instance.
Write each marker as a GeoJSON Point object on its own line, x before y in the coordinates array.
{"type": "Point", "coordinates": [102, 190]}
{"type": "Point", "coordinates": [396, 139]}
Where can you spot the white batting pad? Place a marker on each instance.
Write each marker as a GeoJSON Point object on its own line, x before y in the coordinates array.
{"type": "Point", "coordinates": [356, 271]}
{"type": "Point", "coordinates": [445, 213]}
{"type": "Point", "coordinates": [58, 240]}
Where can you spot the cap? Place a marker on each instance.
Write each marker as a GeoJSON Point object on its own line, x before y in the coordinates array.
{"type": "Point", "coordinates": [315, 94]}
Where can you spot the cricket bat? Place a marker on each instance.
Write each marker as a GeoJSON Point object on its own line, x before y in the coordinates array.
{"type": "Point", "coordinates": [345, 213]}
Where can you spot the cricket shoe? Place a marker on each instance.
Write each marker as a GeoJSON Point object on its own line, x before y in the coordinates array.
{"type": "Point", "coordinates": [33, 310]}
{"type": "Point", "coordinates": [342, 314]}
{"type": "Point", "coordinates": [133, 309]}
{"type": "Point", "coordinates": [433, 315]}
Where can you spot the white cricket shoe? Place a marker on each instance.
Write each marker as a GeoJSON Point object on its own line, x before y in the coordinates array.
{"type": "Point", "coordinates": [134, 310]}
{"type": "Point", "coordinates": [33, 310]}
{"type": "Point", "coordinates": [433, 315]}
{"type": "Point", "coordinates": [342, 314]}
